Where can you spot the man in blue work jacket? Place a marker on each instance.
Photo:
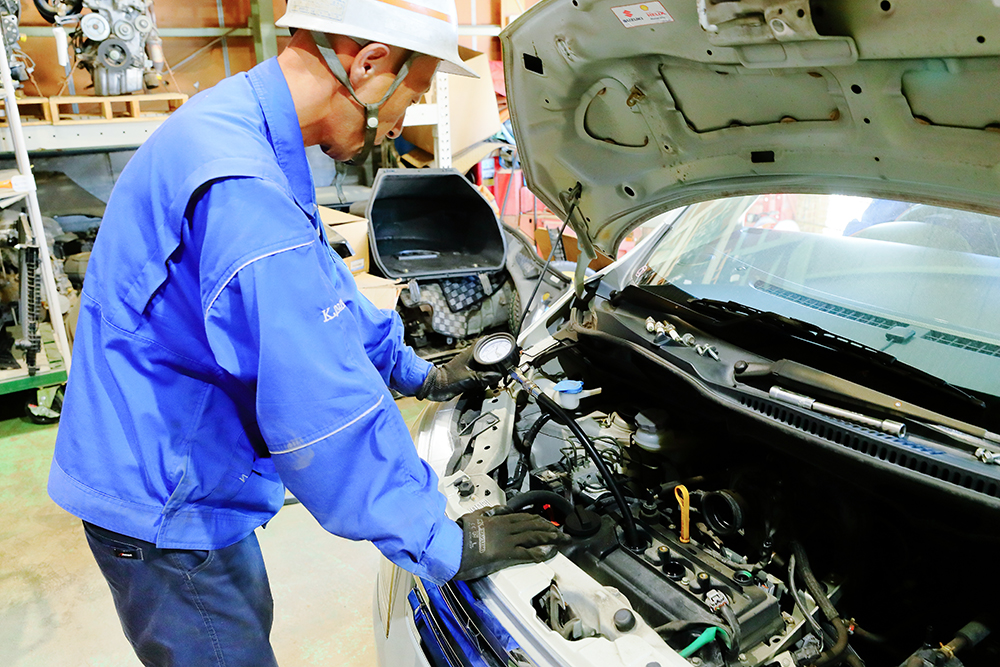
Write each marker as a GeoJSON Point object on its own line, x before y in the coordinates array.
{"type": "Point", "coordinates": [223, 353]}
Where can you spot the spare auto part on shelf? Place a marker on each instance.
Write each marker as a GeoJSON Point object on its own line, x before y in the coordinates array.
{"type": "Point", "coordinates": [21, 65]}
{"type": "Point", "coordinates": [116, 41]}
{"type": "Point", "coordinates": [30, 303]}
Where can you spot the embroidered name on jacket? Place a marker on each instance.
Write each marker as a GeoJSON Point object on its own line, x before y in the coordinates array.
{"type": "Point", "coordinates": [337, 309]}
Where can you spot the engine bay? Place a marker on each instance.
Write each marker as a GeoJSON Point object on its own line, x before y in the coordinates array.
{"type": "Point", "coordinates": [741, 545]}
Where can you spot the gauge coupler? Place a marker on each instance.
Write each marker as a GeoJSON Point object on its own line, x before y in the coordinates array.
{"type": "Point", "coordinates": [496, 352]}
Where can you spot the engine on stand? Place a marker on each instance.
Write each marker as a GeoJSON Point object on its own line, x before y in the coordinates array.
{"type": "Point", "coordinates": [116, 41]}
{"type": "Point", "coordinates": [10, 19]}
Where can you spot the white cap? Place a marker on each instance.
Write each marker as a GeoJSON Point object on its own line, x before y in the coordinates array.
{"type": "Point", "coordinates": [429, 27]}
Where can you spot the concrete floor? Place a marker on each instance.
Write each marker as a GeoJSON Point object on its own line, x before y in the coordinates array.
{"type": "Point", "coordinates": [56, 610]}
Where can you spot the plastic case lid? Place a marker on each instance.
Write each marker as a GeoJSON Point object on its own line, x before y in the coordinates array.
{"type": "Point", "coordinates": [432, 223]}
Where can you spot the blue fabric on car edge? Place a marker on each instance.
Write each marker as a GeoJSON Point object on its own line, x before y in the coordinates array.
{"type": "Point", "coordinates": [431, 641]}
{"type": "Point", "coordinates": [493, 629]}
{"type": "Point", "coordinates": [454, 630]}
{"type": "Point", "coordinates": [222, 351]}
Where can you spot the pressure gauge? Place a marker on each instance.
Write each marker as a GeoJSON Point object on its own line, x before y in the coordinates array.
{"type": "Point", "coordinates": [497, 351]}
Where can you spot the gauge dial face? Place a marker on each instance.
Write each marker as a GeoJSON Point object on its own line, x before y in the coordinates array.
{"type": "Point", "coordinates": [494, 349]}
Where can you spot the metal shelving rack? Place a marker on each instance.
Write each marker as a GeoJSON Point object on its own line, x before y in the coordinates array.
{"type": "Point", "coordinates": [110, 136]}
{"type": "Point", "coordinates": [22, 187]}
{"type": "Point", "coordinates": [438, 115]}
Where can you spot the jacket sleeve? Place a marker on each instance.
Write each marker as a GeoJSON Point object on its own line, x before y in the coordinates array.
{"type": "Point", "coordinates": [396, 361]}
{"type": "Point", "coordinates": [290, 322]}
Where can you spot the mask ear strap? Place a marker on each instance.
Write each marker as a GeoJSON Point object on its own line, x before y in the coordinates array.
{"type": "Point", "coordinates": [371, 109]}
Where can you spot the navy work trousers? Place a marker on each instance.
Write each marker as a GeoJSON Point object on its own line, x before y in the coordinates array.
{"type": "Point", "coordinates": [183, 608]}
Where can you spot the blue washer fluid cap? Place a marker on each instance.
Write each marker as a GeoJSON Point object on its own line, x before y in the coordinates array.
{"type": "Point", "coordinates": [569, 386]}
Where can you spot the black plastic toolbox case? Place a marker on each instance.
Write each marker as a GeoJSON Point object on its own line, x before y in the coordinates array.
{"type": "Point", "coordinates": [432, 223]}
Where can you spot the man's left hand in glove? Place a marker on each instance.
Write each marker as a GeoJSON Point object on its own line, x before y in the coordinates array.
{"type": "Point", "coordinates": [454, 377]}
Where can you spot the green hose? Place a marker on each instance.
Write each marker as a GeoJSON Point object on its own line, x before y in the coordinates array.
{"type": "Point", "coordinates": [706, 637]}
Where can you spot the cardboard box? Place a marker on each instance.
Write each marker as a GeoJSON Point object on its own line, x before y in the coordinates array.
{"type": "Point", "coordinates": [463, 161]}
{"type": "Point", "coordinates": [570, 246]}
{"type": "Point", "coordinates": [353, 230]}
{"type": "Point", "coordinates": [418, 158]}
{"type": "Point", "coordinates": [487, 12]}
{"type": "Point", "coordinates": [382, 292]}
{"type": "Point", "coordinates": [526, 223]}
{"type": "Point", "coordinates": [474, 113]}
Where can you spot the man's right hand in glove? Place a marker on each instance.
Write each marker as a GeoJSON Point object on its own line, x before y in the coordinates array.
{"type": "Point", "coordinates": [495, 538]}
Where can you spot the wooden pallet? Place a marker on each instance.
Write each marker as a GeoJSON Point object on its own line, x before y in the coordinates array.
{"type": "Point", "coordinates": [34, 111]}
{"type": "Point", "coordinates": [92, 109]}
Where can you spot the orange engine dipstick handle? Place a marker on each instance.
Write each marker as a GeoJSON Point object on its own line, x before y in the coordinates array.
{"type": "Point", "coordinates": [684, 500]}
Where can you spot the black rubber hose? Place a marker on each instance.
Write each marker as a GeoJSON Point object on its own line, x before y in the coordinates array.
{"type": "Point", "coordinates": [815, 588]}
{"type": "Point", "coordinates": [836, 653]}
{"type": "Point", "coordinates": [673, 627]}
{"type": "Point", "coordinates": [730, 650]}
{"type": "Point", "coordinates": [524, 460]}
{"type": "Point", "coordinates": [550, 406]}
{"type": "Point", "coordinates": [793, 589]}
{"type": "Point", "coordinates": [970, 635]}
{"type": "Point", "coordinates": [529, 498]}
{"type": "Point", "coordinates": [533, 431]}
{"type": "Point", "coordinates": [734, 623]}
{"type": "Point", "coordinates": [869, 636]}
{"type": "Point", "coordinates": [853, 660]}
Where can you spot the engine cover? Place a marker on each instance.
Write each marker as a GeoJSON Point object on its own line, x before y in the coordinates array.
{"type": "Point", "coordinates": [671, 590]}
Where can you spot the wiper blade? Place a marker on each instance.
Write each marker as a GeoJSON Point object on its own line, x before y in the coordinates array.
{"type": "Point", "coordinates": [741, 324]}
{"type": "Point", "coordinates": [791, 325]}
{"type": "Point", "coordinates": [819, 335]}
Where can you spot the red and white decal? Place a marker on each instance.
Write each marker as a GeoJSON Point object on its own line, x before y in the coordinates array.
{"type": "Point", "coordinates": [646, 13]}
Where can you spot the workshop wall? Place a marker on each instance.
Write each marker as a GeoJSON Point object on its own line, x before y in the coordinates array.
{"type": "Point", "coordinates": [198, 63]}
{"type": "Point", "coordinates": [480, 12]}
{"type": "Point", "coordinates": [192, 74]}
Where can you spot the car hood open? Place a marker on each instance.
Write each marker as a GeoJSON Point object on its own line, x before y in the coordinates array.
{"type": "Point", "coordinates": [654, 105]}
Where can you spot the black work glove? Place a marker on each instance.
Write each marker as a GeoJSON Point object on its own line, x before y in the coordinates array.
{"type": "Point", "coordinates": [454, 377]}
{"type": "Point", "coordinates": [495, 538]}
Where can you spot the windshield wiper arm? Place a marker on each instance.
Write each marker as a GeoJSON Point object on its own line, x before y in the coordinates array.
{"type": "Point", "coordinates": [831, 384]}
{"type": "Point", "coordinates": [889, 426]}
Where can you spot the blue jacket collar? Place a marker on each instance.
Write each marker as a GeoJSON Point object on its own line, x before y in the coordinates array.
{"type": "Point", "coordinates": [283, 130]}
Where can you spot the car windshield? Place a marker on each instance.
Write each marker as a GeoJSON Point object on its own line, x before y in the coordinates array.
{"type": "Point", "coordinates": [920, 282]}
